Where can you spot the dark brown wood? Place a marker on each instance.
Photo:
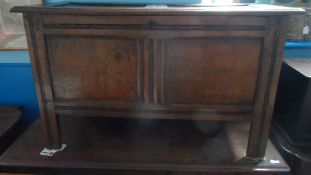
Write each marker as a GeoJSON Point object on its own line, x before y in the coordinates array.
{"type": "Point", "coordinates": [124, 146]}
{"type": "Point", "coordinates": [15, 174]}
{"type": "Point", "coordinates": [9, 117]}
{"type": "Point", "coordinates": [95, 172]}
{"type": "Point", "coordinates": [209, 70]}
{"type": "Point", "coordinates": [292, 107]}
{"type": "Point", "coordinates": [198, 63]}
{"type": "Point", "coordinates": [143, 10]}
{"type": "Point", "coordinates": [47, 116]}
{"type": "Point", "coordinates": [298, 157]}
{"type": "Point", "coordinates": [260, 126]}
{"type": "Point", "coordinates": [10, 125]}
{"type": "Point", "coordinates": [114, 74]}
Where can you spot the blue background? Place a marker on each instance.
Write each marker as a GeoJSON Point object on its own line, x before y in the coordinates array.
{"type": "Point", "coordinates": [17, 83]}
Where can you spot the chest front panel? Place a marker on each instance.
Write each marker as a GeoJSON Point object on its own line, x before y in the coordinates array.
{"type": "Point", "coordinates": [200, 65]}
{"type": "Point", "coordinates": [210, 70]}
{"type": "Point", "coordinates": [91, 68]}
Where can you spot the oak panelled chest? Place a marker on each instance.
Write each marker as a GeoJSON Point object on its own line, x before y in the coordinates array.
{"type": "Point", "coordinates": [160, 62]}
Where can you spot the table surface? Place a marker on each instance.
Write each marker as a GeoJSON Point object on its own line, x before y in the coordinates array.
{"type": "Point", "coordinates": [302, 65]}
{"type": "Point", "coordinates": [302, 152]}
{"type": "Point", "coordinates": [137, 144]}
{"type": "Point", "coordinates": [9, 116]}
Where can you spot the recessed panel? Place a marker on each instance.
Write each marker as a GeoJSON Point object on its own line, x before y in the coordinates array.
{"type": "Point", "coordinates": [95, 68]}
{"type": "Point", "coordinates": [209, 70]}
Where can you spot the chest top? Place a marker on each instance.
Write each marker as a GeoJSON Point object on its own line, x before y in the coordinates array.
{"type": "Point", "coordinates": [96, 9]}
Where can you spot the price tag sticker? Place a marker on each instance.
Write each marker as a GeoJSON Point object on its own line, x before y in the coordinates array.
{"type": "Point", "coordinates": [306, 30]}
{"type": "Point", "coordinates": [51, 152]}
{"type": "Point", "coordinates": [156, 6]}
{"type": "Point", "coordinates": [275, 161]}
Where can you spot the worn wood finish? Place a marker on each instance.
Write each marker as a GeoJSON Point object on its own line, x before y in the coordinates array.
{"type": "Point", "coordinates": [143, 10]}
{"type": "Point", "coordinates": [10, 125]}
{"type": "Point", "coordinates": [52, 21]}
{"type": "Point", "coordinates": [200, 63]}
{"type": "Point", "coordinates": [114, 63]}
{"type": "Point", "coordinates": [127, 172]}
{"type": "Point", "coordinates": [209, 71]}
{"type": "Point", "coordinates": [298, 157]}
{"type": "Point", "coordinates": [9, 116]}
{"type": "Point", "coordinates": [47, 115]}
{"type": "Point", "coordinates": [139, 146]}
{"type": "Point", "coordinates": [262, 120]}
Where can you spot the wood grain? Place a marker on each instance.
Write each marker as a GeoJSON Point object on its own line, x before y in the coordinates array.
{"type": "Point", "coordinates": [210, 71]}
{"type": "Point", "coordinates": [111, 62]}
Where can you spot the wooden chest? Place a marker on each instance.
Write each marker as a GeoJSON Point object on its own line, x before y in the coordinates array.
{"type": "Point", "coordinates": [159, 62]}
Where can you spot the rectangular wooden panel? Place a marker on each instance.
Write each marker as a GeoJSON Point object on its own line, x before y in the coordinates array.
{"type": "Point", "coordinates": [209, 70]}
{"type": "Point", "coordinates": [101, 68]}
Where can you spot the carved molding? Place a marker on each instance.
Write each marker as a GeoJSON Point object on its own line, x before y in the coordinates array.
{"type": "Point", "coordinates": [153, 26]}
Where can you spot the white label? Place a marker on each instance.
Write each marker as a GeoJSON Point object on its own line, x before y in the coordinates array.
{"type": "Point", "coordinates": [157, 6]}
{"type": "Point", "coordinates": [51, 152]}
{"type": "Point", "coordinates": [274, 161]}
{"type": "Point", "coordinates": [306, 30]}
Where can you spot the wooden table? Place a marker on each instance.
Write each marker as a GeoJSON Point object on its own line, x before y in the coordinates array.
{"type": "Point", "coordinates": [10, 125]}
{"type": "Point", "coordinates": [138, 146]}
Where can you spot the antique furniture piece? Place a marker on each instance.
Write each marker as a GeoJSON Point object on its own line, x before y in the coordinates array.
{"type": "Point", "coordinates": [292, 109]}
{"type": "Point", "coordinates": [157, 62]}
